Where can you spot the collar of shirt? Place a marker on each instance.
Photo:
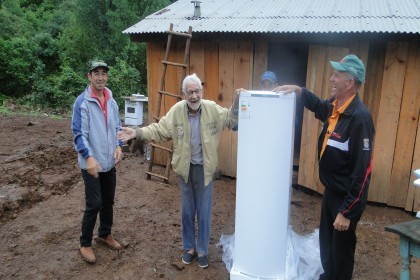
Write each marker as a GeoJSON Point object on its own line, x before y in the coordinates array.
{"type": "Point", "coordinates": [336, 112]}
{"type": "Point", "coordinates": [191, 115]}
{"type": "Point", "coordinates": [106, 94]}
{"type": "Point", "coordinates": [103, 106]}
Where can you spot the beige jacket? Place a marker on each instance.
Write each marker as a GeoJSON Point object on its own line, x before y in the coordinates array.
{"type": "Point", "coordinates": [174, 125]}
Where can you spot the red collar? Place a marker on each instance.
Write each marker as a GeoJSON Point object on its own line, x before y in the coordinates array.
{"type": "Point", "coordinates": [106, 94]}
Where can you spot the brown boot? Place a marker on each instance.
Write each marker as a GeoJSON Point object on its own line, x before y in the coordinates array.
{"type": "Point", "coordinates": [109, 241]}
{"type": "Point", "coordinates": [87, 254]}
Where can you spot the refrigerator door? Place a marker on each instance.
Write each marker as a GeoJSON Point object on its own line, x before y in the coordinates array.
{"type": "Point", "coordinates": [264, 178]}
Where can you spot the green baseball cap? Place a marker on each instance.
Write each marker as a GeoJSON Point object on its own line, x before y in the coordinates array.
{"type": "Point", "coordinates": [352, 64]}
{"type": "Point", "coordinates": [96, 64]}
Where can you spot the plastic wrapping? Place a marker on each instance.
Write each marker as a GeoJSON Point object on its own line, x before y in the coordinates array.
{"type": "Point", "coordinates": [228, 243]}
{"type": "Point", "coordinates": [302, 261]}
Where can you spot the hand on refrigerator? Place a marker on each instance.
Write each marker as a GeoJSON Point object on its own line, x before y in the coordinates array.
{"type": "Point", "coordinates": [235, 105]}
{"type": "Point", "coordinates": [238, 90]}
{"type": "Point", "coordinates": [286, 89]}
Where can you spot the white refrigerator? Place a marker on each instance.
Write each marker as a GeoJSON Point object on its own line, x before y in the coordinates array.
{"type": "Point", "coordinates": [264, 179]}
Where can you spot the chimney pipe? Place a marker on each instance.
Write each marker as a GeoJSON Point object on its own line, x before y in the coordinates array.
{"type": "Point", "coordinates": [197, 10]}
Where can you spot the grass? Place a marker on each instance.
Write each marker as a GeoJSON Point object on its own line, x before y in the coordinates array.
{"type": "Point", "coordinates": [12, 109]}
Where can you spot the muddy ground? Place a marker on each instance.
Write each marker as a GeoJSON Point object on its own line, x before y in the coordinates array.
{"type": "Point", "coordinates": [42, 200]}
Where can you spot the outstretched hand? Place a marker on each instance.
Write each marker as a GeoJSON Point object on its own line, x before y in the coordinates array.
{"type": "Point", "coordinates": [126, 133]}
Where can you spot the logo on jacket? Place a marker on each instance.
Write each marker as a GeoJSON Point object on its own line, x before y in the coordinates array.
{"type": "Point", "coordinates": [366, 146]}
{"type": "Point", "coordinates": [212, 128]}
{"type": "Point", "coordinates": [336, 135]}
{"type": "Point", "coordinates": [179, 130]}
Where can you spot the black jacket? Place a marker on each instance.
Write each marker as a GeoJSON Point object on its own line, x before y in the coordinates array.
{"type": "Point", "coordinates": [345, 166]}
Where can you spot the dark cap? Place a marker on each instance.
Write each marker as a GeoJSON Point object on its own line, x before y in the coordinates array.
{"type": "Point", "coordinates": [96, 64]}
{"type": "Point", "coordinates": [351, 64]}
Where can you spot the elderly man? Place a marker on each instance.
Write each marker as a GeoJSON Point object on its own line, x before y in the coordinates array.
{"type": "Point", "coordinates": [344, 152]}
{"type": "Point", "coordinates": [194, 125]}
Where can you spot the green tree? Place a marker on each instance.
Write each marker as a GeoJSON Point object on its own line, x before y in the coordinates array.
{"type": "Point", "coordinates": [123, 80]}
{"type": "Point", "coordinates": [16, 66]}
{"type": "Point", "coordinates": [45, 47]}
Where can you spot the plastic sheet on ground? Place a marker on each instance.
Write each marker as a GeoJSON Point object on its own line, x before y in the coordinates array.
{"type": "Point", "coordinates": [302, 261]}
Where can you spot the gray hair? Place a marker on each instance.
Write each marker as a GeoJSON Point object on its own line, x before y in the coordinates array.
{"type": "Point", "coordinates": [357, 83]}
{"type": "Point", "coordinates": [191, 78]}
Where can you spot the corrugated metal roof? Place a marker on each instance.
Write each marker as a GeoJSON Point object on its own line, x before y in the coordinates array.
{"type": "Point", "coordinates": [286, 16]}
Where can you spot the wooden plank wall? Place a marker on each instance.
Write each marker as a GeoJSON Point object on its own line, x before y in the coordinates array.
{"type": "Point", "coordinates": [411, 88]}
{"type": "Point", "coordinates": [155, 56]}
{"type": "Point", "coordinates": [391, 93]}
{"type": "Point", "coordinates": [413, 197]}
{"type": "Point", "coordinates": [308, 161]}
{"type": "Point", "coordinates": [224, 99]}
{"type": "Point", "coordinates": [260, 63]}
{"type": "Point", "coordinates": [222, 67]}
{"type": "Point", "coordinates": [361, 49]}
{"type": "Point", "coordinates": [374, 77]}
{"type": "Point", "coordinates": [387, 123]}
{"type": "Point", "coordinates": [406, 134]}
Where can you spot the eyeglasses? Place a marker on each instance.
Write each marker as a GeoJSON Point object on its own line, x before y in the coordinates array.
{"type": "Point", "coordinates": [191, 92]}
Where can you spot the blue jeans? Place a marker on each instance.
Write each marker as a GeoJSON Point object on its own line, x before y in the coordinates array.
{"type": "Point", "coordinates": [99, 195]}
{"type": "Point", "coordinates": [196, 200]}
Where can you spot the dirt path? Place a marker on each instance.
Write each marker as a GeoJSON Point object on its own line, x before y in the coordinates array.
{"type": "Point", "coordinates": [40, 219]}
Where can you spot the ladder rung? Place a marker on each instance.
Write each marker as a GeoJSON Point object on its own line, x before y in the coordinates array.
{"type": "Point", "coordinates": [161, 92]}
{"type": "Point", "coordinates": [161, 147]}
{"type": "Point", "coordinates": [175, 64]}
{"type": "Point", "coordinates": [180, 34]}
{"type": "Point", "coordinates": [170, 94]}
{"type": "Point", "coordinates": [157, 175]}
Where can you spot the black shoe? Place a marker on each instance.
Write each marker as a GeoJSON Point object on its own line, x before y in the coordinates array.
{"type": "Point", "coordinates": [203, 261]}
{"type": "Point", "coordinates": [187, 258]}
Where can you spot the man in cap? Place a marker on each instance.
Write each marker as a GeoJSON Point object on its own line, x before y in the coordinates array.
{"type": "Point", "coordinates": [344, 153]}
{"type": "Point", "coordinates": [268, 81]}
{"type": "Point", "coordinates": [95, 123]}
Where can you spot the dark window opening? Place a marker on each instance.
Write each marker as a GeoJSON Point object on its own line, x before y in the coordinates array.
{"type": "Point", "coordinates": [290, 62]}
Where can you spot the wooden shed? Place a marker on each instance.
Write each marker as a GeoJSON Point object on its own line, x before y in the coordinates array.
{"type": "Point", "coordinates": [235, 41]}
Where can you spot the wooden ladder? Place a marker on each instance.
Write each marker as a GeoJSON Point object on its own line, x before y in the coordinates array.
{"type": "Point", "coordinates": [162, 92]}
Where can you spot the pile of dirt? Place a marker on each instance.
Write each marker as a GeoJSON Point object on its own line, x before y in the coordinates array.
{"type": "Point", "coordinates": [37, 161]}
{"type": "Point", "coordinates": [42, 202]}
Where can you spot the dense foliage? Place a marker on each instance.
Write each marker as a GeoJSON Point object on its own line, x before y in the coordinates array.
{"type": "Point", "coordinates": [46, 46]}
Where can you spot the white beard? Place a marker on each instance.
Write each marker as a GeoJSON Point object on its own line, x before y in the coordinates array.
{"type": "Point", "coordinates": [194, 106]}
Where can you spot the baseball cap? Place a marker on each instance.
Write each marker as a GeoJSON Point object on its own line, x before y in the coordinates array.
{"type": "Point", "coordinates": [352, 64]}
{"type": "Point", "coordinates": [97, 63]}
{"type": "Point", "coordinates": [269, 76]}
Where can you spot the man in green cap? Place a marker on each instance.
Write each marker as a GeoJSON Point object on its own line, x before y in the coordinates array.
{"type": "Point", "coordinates": [344, 154]}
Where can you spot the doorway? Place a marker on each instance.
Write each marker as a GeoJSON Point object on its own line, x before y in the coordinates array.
{"type": "Point", "coordinates": [290, 62]}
